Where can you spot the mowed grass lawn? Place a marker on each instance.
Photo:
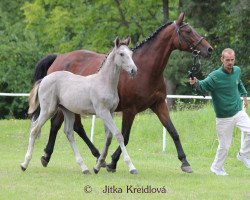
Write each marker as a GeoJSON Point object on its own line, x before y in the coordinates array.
{"type": "Point", "coordinates": [62, 179]}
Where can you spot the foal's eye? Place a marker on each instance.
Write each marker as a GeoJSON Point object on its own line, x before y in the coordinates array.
{"type": "Point", "coordinates": [121, 54]}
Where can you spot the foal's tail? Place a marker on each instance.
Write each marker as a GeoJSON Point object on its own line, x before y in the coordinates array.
{"type": "Point", "coordinates": [34, 105]}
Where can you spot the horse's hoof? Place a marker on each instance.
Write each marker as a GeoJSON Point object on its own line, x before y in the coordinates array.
{"type": "Point", "coordinates": [86, 171]}
{"type": "Point", "coordinates": [109, 169]}
{"type": "Point", "coordinates": [95, 170]}
{"type": "Point", "coordinates": [187, 169]}
{"type": "Point", "coordinates": [23, 168]}
{"type": "Point", "coordinates": [133, 171]}
{"type": "Point", "coordinates": [44, 161]}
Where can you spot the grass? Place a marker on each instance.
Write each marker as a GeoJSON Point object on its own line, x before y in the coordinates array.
{"type": "Point", "coordinates": [62, 178]}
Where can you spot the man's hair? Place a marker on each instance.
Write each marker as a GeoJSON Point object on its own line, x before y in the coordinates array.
{"type": "Point", "coordinates": [227, 50]}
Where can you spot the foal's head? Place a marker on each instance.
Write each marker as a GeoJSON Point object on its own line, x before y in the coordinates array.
{"type": "Point", "coordinates": [123, 56]}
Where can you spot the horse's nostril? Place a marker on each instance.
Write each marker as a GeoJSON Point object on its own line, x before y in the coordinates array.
{"type": "Point", "coordinates": [210, 50]}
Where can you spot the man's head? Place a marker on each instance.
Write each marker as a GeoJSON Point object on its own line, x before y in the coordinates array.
{"type": "Point", "coordinates": [228, 59]}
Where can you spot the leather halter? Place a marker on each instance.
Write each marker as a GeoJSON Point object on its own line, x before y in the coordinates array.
{"type": "Point", "coordinates": [181, 38]}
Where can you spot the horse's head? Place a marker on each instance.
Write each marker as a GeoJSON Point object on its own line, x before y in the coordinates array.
{"type": "Point", "coordinates": [123, 56]}
{"type": "Point", "coordinates": [188, 39]}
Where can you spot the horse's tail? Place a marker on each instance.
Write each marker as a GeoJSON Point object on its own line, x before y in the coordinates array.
{"type": "Point", "coordinates": [34, 105]}
{"type": "Point", "coordinates": [42, 66]}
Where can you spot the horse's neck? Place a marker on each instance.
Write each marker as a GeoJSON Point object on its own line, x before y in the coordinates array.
{"type": "Point", "coordinates": [110, 72]}
{"type": "Point", "coordinates": [156, 53]}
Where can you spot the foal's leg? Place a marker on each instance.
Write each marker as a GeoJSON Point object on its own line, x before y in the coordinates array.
{"type": "Point", "coordinates": [161, 110]}
{"type": "Point", "coordinates": [128, 117]}
{"type": "Point", "coordinates": [35, 130]}
{"type": "Point", "coordinates": [56, 123]}
{"type": "Point", "coordinates": [109, 123]}
{"type": "Point", "coordinates": [101, 159]}
{"type": "Point", "coordinates": [69, 119]}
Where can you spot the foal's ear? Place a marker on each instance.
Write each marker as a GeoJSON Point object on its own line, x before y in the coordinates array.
{"type": "Point", "coordinates": [117, 42]}
{"type": "Point", "coordinates": [180, 18]}
{"type": "Point", "coordinates": [127, 41]}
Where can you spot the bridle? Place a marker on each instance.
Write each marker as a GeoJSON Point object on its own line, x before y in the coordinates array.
{"type": "Point", "coordinates": [191, 46]}
{"type": "Point", "coordinates": [195, 53]}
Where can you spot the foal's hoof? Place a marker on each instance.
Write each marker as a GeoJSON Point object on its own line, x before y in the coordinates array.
{"type": "Point", "coordinates": [134, 171]}
{"type": "Point", "coordinates": [44, 161]}
{"type": "Point", "coordinates": [109, 169]}
{"type": "Point", "coordinates": [187, 169]}
{"type": "Point", "coordinates": [95, 170]}
{"type": "Point", "coordinates": [86, 172]}
{"type": "Point", "coordinates": [23, 168]}
{"type": "Point", "coordinates": [104, 164]}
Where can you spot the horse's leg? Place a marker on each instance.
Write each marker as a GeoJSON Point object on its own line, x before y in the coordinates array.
{"type": "Point", "coordinates": [161, 110]}
{"type": "Point", "coordinates": [56, 123]}
{"type": "Point", "coordinates": [109, 123]}
{"type": "Point", "coordinates": [35, 130]}
{"type": "Point", "coordinates": [127, 121]}
{"type": "Point", "coordinates": [78, 128]}
{"type": "Point", "coordinates": [101, 159]}
{"type": "Point", "coordinates": [69, 119]}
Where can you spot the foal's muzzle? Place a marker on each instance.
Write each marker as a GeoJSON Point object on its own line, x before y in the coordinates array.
{"type": "Point", "coordinates": [133, 72]}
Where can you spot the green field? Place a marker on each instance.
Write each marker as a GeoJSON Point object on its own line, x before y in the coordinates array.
{"type": "Point", "coordinates": [62, 178]}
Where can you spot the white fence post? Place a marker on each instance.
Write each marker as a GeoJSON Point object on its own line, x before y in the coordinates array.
{"type": "Point", "coordinates": [92, 129]}
{"type": "Point", "coordinates": [164, 139]}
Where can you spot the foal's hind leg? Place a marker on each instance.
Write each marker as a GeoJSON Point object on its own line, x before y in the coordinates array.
{"type": "Point", "coordinates": [108, 121]}
{"type": "Point", "coordinates": [35, 130]}
{"type": "Point", "coordinates": [69, 119]}
{"type": "Point", "coordinates": [101, 159]}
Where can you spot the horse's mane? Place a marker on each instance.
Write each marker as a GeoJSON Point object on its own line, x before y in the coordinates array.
{"type": "Point", "coordinates": [149, 38]}
{"type": "Point", "coordinates": [152, 36]}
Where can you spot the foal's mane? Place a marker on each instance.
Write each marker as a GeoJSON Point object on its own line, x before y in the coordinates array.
{"type": "Point", "coordinates": [121, 42]}
{"type": "Point", "coordinates": [152, 36]}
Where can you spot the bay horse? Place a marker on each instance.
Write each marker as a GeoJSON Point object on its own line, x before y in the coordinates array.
{"type": "Point", "coordinates": [93, 94]}
{"type": "Point", "coordinates": [146, 90]}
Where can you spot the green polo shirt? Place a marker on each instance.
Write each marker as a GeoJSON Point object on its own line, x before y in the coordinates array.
{"type": "Point", "coordinates": [226, 90]}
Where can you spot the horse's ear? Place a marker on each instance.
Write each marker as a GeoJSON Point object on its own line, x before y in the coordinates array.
{"type": "Point", "coordinates": [117, 42]}
{"type": "Point", "coordinates": [180, 18]}
{"type": "Point", "coordinates": [127, 41]}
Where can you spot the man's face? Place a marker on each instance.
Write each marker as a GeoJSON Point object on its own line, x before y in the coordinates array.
{"type": "Point", "coordinates": [228, 60]}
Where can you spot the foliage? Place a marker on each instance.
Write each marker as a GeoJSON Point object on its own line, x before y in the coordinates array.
{"type": "Point", "coordinates": [31, 29]}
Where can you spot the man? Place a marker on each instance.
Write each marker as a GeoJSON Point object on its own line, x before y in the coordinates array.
{"type": "Point", "coordinates": [226, 90]}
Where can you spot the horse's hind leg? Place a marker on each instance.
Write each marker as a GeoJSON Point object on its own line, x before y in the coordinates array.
{"type": "Point", "coordinates": [35, 130]}
{"type": "Point", "coordinates": [78, 128]}
{"type": "Point", "coordinates": [108, 121]}
{"type": "Point", "coordinates": [69, 119]}
{"type": "Point", "coordinates": [56, 123]}
{"type": "Point", "coordinates": [101, 159]}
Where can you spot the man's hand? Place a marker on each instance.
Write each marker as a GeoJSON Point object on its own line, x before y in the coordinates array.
{"type": "Point", "coordinates": [245, 102]}
{"type": "Point", "coordinates": [192, 81]}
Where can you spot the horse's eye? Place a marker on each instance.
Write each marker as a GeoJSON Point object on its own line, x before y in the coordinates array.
{"type": "Point", "coordinates": [121, 54]}
{"type": "Point", "coordinates": [189, 30]}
